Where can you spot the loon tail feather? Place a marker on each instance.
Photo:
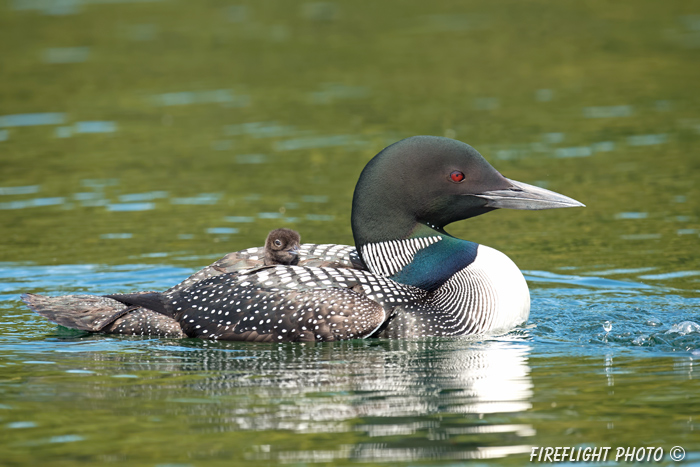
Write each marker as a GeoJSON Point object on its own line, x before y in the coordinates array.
{"type": "Point", "coordinates": [104, 314]}
{"type": "Point", "coordinates": [154, 301]}
{"type": "Point", "coordinates": [84, 312]}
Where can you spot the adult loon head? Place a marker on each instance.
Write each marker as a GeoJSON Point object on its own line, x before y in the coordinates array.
{"type": "Point", "coordinates": [414, 188]}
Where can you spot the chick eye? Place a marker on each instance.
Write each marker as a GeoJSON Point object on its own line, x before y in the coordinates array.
{"type": "Point", "coordinates": [278, 242]}
{"type": "Point", "coordinates": [457, 176]}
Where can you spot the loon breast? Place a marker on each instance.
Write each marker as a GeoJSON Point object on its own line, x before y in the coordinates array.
{"type": "Point", "coordinates": [489, 295]}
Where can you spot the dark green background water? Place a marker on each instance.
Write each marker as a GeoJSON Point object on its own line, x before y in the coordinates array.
{"type": "Point", "coordinates": [141, 140]}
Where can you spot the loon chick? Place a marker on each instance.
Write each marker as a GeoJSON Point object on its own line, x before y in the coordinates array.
{"type": "Point", "coordinates": [405, 277]}
{"type": "Point", "coordinates": [282, 247]}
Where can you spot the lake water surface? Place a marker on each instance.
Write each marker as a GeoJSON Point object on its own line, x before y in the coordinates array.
{"type": "Point", "coordinates": [142, 140]}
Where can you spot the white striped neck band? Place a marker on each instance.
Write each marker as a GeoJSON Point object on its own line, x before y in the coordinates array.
{"type": "Point", "coordinates": [387, 258]}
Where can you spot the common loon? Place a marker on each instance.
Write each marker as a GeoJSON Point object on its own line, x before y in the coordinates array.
{"type": "Point", "coordinates": [405, 277]}
{"type": "Point", "coordinates": [282, 247]}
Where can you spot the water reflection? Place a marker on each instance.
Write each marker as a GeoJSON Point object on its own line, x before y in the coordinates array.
{"type": "Point", "coordinates": [320, 217]}
{"type": "Point", "coordinates": [32, 203]}
{"type": "Point", "coordinates": [222, 230]}
{"type": "Point", "coordinates": [251, 159]}
{"type": "Point", "coordinates": [320, 142]}
{"type": "Point", "coordinates": [32, 119]}
{"type": "Point", "coordinates": [315, 198]}
{"type": "Point", "coordinates": [244, 219]}
{"type": "Point", "coordinates": [142, 32]}
{"type": "Point", "coordinates": [330, 92]}
{"type": "Point", "coordinates": [203, 198]}
{"type": "Point", "coordinates": [218, 96]}
{"type": "Point", "coordinates": [647, 140]}
{"type": "Point", "coordinates": [95, 127]}
{"type": "Point", "coordinates": [260, 129]}
{"type": "Point", "coordinates": [58, 55]}
{"type": "Point", "coordinates": [132, 197]}
{"type": "Point", "coordinates": [580, 151]}
{"type": "Point", "coordinates": [544, 95]}
{"type": "Point", "coordinates": [614, 111]}
{"type": "Point", "coordinates": [631, 215]}
{"type": "Point", "coordinates": [64, 7]}
{"type": "Point", "coordinates": [320, 11]}
{"type": "Point", "coordinates": [486, 103]}
{"type": "Point", "coordinates": [116, 236]}
{"type": "Point", "coordinates": [131, 206]}
{"type": "Point", "coordinates": [402, 400]}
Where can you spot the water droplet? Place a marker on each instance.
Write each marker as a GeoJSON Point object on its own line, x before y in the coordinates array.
{"type": "Point", "coordinates": [639, 340]}
{"type": "Point", "coordinates": [653, 322]}
{"type": "Point", "coordinates": [607, 326]}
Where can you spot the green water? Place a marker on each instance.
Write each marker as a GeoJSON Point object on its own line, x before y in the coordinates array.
{"type": "Point", "coordinates": [141, 140]}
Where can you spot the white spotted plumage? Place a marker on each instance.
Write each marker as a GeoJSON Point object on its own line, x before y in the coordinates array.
{"type": "Point", "coordinates": [294, 306]}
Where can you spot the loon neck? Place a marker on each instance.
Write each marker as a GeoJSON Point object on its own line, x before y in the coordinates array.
{"type": "Point", "coordinates": [426, 258]}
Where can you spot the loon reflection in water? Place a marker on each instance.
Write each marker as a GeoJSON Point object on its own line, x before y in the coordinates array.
{"type": "Point", "coordinates": [405, 277]}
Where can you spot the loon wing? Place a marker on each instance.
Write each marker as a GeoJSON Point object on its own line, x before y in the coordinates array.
{"type": "Point", "coordinates": [287, 303]}
{"type": "Point", "coordinates": [252, 313]}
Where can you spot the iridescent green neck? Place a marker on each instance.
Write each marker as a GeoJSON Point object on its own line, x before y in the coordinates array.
{"type": "Point", "coordinates": [433, 265]}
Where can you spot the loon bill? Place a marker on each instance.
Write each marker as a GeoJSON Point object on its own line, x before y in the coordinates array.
{"type": "Point", "coordinates": [405, 277]}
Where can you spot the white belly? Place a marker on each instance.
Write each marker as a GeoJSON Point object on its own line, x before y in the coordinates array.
{"type": "Point", "coordinates": [510, 292]}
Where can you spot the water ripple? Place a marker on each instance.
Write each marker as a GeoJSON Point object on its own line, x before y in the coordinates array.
{"type": "Point", "coordinates": [583, 281]}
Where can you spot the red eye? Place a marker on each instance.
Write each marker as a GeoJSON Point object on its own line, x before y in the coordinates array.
{"type": "Point", "coordinates": [457, 176]}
